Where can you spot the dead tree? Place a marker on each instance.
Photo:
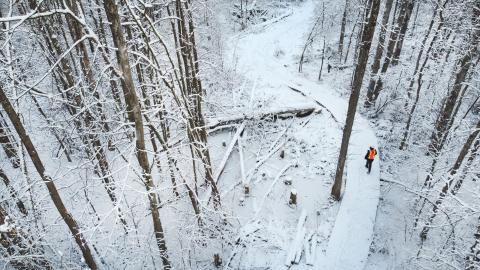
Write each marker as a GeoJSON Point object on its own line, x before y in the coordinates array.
{"type": "Point", "coordinates": [366, 42]}
{"type": "Point", "coordinates": [54, 195]}
{"type": "Point", "coordinates": [308, 42]}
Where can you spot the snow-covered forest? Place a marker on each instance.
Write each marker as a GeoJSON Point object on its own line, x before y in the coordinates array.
{"type": "Point", "coordinates": [234, 134]}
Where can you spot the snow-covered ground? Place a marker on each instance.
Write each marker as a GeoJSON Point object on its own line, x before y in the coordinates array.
{"type": "Point", "coordinates": [267, 56]}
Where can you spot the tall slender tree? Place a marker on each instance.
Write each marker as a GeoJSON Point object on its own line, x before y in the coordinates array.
{"type": "Point", "coordinates": [52, 189]}
{"type": "Point", "coordinates": [133, 104]}
{"type": "Point", "coordinates": [359, 72]}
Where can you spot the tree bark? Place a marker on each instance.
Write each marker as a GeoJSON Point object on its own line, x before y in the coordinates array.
{"type": "Point", "coordinates": [366, 42]}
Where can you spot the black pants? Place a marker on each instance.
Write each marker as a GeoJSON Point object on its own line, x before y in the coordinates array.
{"type": "Point", "coordinates": [369, 164]}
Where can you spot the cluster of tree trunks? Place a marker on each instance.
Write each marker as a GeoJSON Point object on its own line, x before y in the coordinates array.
{"type": "Point", "coordinates": [139, 82]}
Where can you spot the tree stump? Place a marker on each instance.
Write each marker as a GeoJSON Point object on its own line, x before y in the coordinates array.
{"type": "Point", "coordinates": [241, 201]}
{"type": "Point", "coordinates": [293, 197]}
{"type": "Point", "coordinates": [217, 261]}
{"type": "Point", "coordinates": [246, 189]}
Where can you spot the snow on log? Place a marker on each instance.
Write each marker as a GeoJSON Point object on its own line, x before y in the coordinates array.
{"type": "Point", "coordinates": [316, 101]}
{"type": "Point", "coordinates": [295, 253]}
{"type": "Point", "coordinates": [218, 124]}
{"type": "Point", "coordinates": [242, 160]}
{"type": "Point", "coordinates": [228, 152]}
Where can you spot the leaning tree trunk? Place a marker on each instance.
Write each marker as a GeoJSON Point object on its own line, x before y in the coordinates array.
{"type": "Point", "coordinates": [133, 104]}
{"type": "Point", "coordinates": [366, 42]}
{"type": "Point", "coordinates": [52, 189]}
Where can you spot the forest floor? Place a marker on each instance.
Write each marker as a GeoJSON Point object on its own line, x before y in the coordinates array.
{"type": "Point", "coordinates": [316, 233]}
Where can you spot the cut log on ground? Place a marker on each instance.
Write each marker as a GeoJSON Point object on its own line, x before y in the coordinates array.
{"type": "Point", "coordinates": [282, 114]}
{"type": "Point", "coordinates": [316, 101]}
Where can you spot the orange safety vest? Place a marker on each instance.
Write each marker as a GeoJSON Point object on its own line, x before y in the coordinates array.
{"type": "Point", "coordinates": [372, 154]}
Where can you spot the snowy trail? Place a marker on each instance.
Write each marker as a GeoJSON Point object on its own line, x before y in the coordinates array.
{"type": "Point", "coordinates": [267, 55]}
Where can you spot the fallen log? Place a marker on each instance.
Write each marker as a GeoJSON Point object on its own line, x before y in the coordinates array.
{"type": "Point", "coordinates": [316, 101]}
{"type": "Point", "coordinates": [274, 115]}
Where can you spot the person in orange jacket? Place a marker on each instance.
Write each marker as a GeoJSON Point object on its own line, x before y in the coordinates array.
{"type": "Point", "coordinates": [370, 156]}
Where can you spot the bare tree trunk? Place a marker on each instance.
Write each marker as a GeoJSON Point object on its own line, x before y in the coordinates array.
{"type": "Point", "coordinates": [196, 122]}
{"type": "Point", "coordinates": [55, 196]}
{"type": "Point", "coordinates": [403, 30]}
{"type": "Point", "coordinates": [9, 145]}
{"type": "Point", "coordinates": [464, 64]}
{"type": "Point", "coordinates": [419, 70]}
{"type": "Point", "coordinates": [366, 42]}
{"type": "Point", "coordinates": [309, 41]}
{"type": "Point", "coordinates": [451, 177]}
{"type": "Point", "coordinates": [379, 51]}
{"type": "Point", "coordinates": [372, 95]}
{"type": "Point", "coordinates": [91, 126]}
{"type": "Point", "coordinates": [133, 105]}
{"type": "Point", "coordinates": [342, 31]}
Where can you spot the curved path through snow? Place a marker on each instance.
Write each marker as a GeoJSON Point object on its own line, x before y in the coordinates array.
{"type": "Point", "coordinates": [266, 55]}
